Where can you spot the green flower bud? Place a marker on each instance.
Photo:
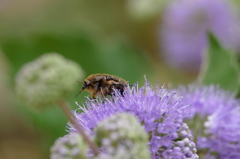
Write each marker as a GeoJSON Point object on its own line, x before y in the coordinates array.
{"type": "Point", "coordinates": [70, 146]}
{"type": "Point", "coordinates": [122, 137]}
{"type": "Point", "coordinates": [144, 9]}
{"type": "Point", "coordinates": [46, 80]}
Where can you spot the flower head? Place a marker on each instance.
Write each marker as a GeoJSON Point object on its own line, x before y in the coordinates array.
{"type": "Point", "coordinates": [214, 120]}
{"type": "Point", "coordinates": [205, 100]}
{"type": "Point", "coordinates": [144, 9]}
{"type": "Point", "coordinates": [222, 129]}
{"type": "Point", "coordinates": [156, 109]}
{"type": "Point", "coordinates": [185, 27]}
{"type": "Point", "coordinates": [122, 137]}
{"type": "Point", "coordinates": [46, 80]}
{"type": "Point", "coordinates": [70, 146]}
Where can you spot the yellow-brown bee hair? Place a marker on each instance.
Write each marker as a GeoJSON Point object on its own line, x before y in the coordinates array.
{"type": "Point", "coordinates": [103, 84]}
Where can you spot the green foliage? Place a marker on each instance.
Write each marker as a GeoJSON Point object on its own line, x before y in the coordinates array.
{"type": "Point", "coordinates": [220, 67]}
{"type": "Point", "coordinates": [119, 57]}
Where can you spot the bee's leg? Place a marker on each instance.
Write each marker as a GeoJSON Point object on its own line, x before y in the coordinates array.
{"type": "Point", "coordinates": [96, 86]}
{"type": "Point", "coordinates": [120, 87]}
{"type": "Point", "coordinates": [95, 92]}
{"type": "Point", "coordinates": [101, 91]}
{"type": "Point", "coordinates": [104, 92]}
{"type": "Point", "coordinates": [94, 95]}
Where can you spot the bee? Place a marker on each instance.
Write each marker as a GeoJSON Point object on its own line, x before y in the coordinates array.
{"type": "Point", "coordinates": [103, 84]}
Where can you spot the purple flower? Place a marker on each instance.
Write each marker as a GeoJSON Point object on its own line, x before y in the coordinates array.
{"type": "Point", "coordinates": [205, 100]}
{"type": "Point", "coordinates": [223, 131]}
{"type": "Point", "coordinates": [156, 109]}
{"type": "Point", "coordinates": [215, 120]}
{"type": "Point", "coordinates": [184, 32]}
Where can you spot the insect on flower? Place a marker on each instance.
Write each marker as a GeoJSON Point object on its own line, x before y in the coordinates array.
{"type": "Point", "coordinates": [103, 84]}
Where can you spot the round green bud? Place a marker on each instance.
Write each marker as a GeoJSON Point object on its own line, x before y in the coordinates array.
{"type": "Point", "coordinates": [144, 9]}
{"type": "Point", "coordinates": [46, 80]}
{"type": "Point", "coordinates": [122, 137]}
{"type": "Point", "coordinates": [70, 146]}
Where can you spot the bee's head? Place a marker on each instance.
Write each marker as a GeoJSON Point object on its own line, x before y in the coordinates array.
{"type": "Point", "coordinates": [85, 84]}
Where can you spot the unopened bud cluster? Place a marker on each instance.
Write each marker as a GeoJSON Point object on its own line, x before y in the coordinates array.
{"type": "Point", "coordinates": [182, 146]}
{"type": "Point", "coordinates": [122, 137]}
{"type": "Point", "coordinates": [46, 80]}
{"type": "Point", "coordinates": [69, 147]}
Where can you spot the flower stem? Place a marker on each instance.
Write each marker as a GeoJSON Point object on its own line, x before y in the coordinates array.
{"type": "Point", "coordinates": [66, 110]}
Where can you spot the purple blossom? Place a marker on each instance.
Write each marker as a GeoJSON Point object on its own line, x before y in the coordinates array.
{"type": "Point", "coordinates": [205, 100]}
{"type": "Point", "coordinates": [184, 32]}
{"type": "Point", "coordinates": [156, 109]}
{"type": "Point", "coordinates": [215, 120]}
{"type": "Point", "coordinates": [223, 130]}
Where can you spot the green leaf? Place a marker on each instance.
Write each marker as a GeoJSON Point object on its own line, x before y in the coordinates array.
{"type": "Point", "coordinates": [220, 66]}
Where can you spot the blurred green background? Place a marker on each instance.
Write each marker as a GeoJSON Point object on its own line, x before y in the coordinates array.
{"type": "Point", "coordinates": [102, 36]}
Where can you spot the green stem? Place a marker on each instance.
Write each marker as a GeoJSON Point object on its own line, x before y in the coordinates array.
{"type": "Point", "coordinates": [66, 110]}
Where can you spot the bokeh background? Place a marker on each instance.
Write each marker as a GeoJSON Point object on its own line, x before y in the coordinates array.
{"type": "Point", "coordinates": [120, 37]}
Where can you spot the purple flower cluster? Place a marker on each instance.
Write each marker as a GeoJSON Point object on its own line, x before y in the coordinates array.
{"type": "Point", "coordinates": [156, 109]}
{"type": "Point", "coordinates": [223, 133]}
{"type": "Point", "coordinates": [183, 34]}
{"type": "Point", "coordinates": [212, 114]}
{"type": "Point", "coordinates": [205, 100]}
{"type": "Point", "coordinates": [217, 124]}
